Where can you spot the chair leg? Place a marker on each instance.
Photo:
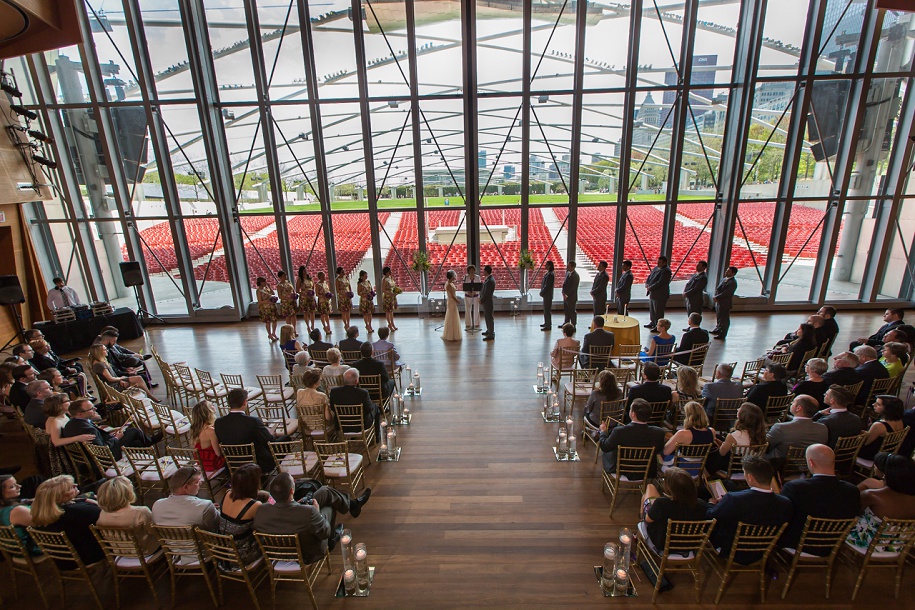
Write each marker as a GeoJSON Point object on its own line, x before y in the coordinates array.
{"type": "Point", "coordinates": [94, 591]}
{"type": "Point", "coordinates": [828, 578]}
{"type": "Point", "coordinates": [206, 578]}
{"type": "Point", "coordinates": [724, 582]}
{"type": "Point", "coordinates": [613, 494]}
{"type": "Point", "coordinates": [859, 581]}
{"type": "Point", "coordinates": [790, 578]}
{"type": "Point", "coordinates": [762, 584]}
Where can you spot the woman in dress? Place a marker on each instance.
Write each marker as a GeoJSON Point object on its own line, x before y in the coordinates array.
{"type": "Point", "coordinates": [889, 409]}
{"type": "Point", "coordinates": [344, 296]}
{"type": "Point", "coordinates": [564, 351]}
{"type": "Point", "coordinates": [310, 397]}
{"type": "Point", "coordinates": [322, 287]}
{"type": "Point", "coordinates": [892, 357]}
{"type": "Point", "coordinates": [678, 502]}
{"type": "Point", "coordinates": [288, 296]}
{"type": "Point", "coordinates": [116, 497]}
{"type": "Point", "coordinates": [606, 389]}
{"type": "Point", "coordinates": [452, 331]}
{"type": "Point", "coordinates": [696, 431]}
{"type": "Point", "coordinates": [266, 307]}
{"type": "Point", "coordinates": [16, 514]}
{"type": "Point", "coordinates": [203, 435]}
{"type": "Point", "coordinates": [305, 286]}
{"type": "Point", "coordinates": [805, 341]}
{"type": "Point", "coordinates": [288, 342]}
{"type": "Point", "coordinates": [240, 504]}
{"type": "Point", "coordinates": [389, 292]}
{"type": "Point", "coordinates": [893, 498]}
{"type": "Point", "coordinates": [366, 299]}
{"type": "Point", "coordinates": [662, 338]}
{"type": "Point", "coordinates": [98, 362]}
{"type": "Point", "coordinates": [56, 509]}
{"type": "Point", "coordinates": [687, 385]}
{"type": "Point", "coordinates": [55, 407]}
{"type": "Point", "coordinates": [749, 429]}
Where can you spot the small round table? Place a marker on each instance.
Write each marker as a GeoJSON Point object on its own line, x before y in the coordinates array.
{"type": "Point", "coordinates": [625, 331]}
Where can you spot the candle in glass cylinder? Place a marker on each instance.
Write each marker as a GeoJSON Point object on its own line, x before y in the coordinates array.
{"type": "Point", "coordinates": [539, 380]}
{"type": "Point", "coordinates": [416, 381]}
{"type": "Point", "coordinates": [625, 548]}
{"type": "Point", "coordinates": [563, 447]}
{"type": "Point", "coordinates": [622, 581]}
{"type": "Point", "coordinates": [611, 552]}
{"type": "Point", "coordinates": [395, 406]}
{"type": "Point", "coordinates": [392, 441]}
{"type": "Point", "coordinates": [569, 424]}
{"type": "Point", "coordinates": [383, 450]}
{"type": "Point", "coordinates": [349, 581]}
{"type": "Point", "coordinates": [346, 549]}
{"type": "Point", "coordinates": [362, 566]}
{"type": "Point", "coordinates": [573, 445]}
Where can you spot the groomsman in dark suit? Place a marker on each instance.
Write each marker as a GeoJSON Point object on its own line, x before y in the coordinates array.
{"type": "Point", "coordinates": [623, 289]}
{"type": "Point", "coordinates": [724, 297]}
{"type": "Point", "coordinates": [546, 293]}
{"type": "Point", "coordinates": [486, 303]}
{"type": "Point", "coordinates": [599, 289]}
{"type": "Point", "coordinates": [570, 295]}
{"type": "Point", "coordinates": [695, 289]}
{"type": "Point", "coordinates": [658, 287]}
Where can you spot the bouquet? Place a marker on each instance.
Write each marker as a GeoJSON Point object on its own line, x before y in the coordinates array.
{"type": "Point", "coordinates": [397, 291]}
{"type": "Point", "coordinates": [311, 293]}
{"type": "Point", "coordinates": [328, 295]}
{"type": "Point", "coordinates": [295, 296]}
{"type": "Point", "coordinates": [372, 294]}
{"type": "Point", "coordinates": [349, 294]}
{"type": "Point", "coordinates": [274, 299]}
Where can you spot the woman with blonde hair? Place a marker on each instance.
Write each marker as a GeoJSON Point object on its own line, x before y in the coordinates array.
{"type": "Point", "coordinates": [310, 397]}
{"type": "Point", "coordinates": [203, 435]}
{"type": "Point", "coordinates": [98, 362]}
{"type": "Point", "coordinates": [687, 385]}
{"type": "Point", "coordinates": [334, 368]}
{"type": "Point", "coordinates": [344, 296]}
{"type": "Point", "coordinates": [116, 497]}
{"type": "Point", "coordinates": [288, 342]}
{"type": "Point", "coordinates": [696, 430]}
{"type": "Point", "coordinates": [663, 338]}
{"type": "Point", "coordinates": [56, 509]}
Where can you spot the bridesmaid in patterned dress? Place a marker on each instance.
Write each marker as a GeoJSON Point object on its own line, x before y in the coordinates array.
{"type": "Point", "coordinates": [288, 297]}
{"type": "Point", "coordinates": [366, 299]}
{"type": "Point", "coordinates": [389, 292]}
{"type": "Point", "coordinates": [344, 296]}
{"type": "Point", "coordinates": [323, 289]}
{"type": "Point", "coordinates": [305, 285]}
{"type": "Point", "coordinates": [266, 307]}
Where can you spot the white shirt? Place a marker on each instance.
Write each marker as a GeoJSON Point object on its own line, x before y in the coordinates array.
{"type": "Point", "coordinates": [56, 298]}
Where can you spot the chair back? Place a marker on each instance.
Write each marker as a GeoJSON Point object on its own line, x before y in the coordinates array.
{"type": "Point", "coordinates": [119, 543]}
{"type": "Point", "coordinates": [180, 544]}
{"type": "Point", "coordinates": [599, 356]}
{"type": "Point", "coordinates": [735, 465]}
{"type": "Point", "coordinates": [776, 406]}
{"type": "Point", "coordinates": [318, 356]}
{"type": "Point", "coordinates": [568, 359]}
{"type": "Point", "coordinates": [274, 417]}
{"type": "Point", "coordinates": [177, 427]}
{"type": "Point", "coordinates": [329, 382]}
{"type": "Point", "coordinates": [615, 410]}
{"type": "Point", "coordinates": [283, 553]}
{"type": "Point", "coordinates": [878, 387]}
{"type": "Point", "coordinates": [692, 459]}
{"type": "Point", "coordinates": [726, 412]}
{"type": "Point", "coordinates": [782, 359]}
{"type": "Point", "coordinates": [143, 415]}
{"type": "Point", "coordinates": [846, 450]}
{"type": "Point", "coordinates": [634, 462]}
{"type": "Point", "coordinates": [697, 357]}
{"type": "Point", "coordinates": [372, 385]}
{"type": "Point", "coordinates": [335, 463]}
{"type": "Point", "coordinates": [350, 356]}
{"type": "Point", "coordinates": [271, 384]}
{"type": "Point", "coordinates": [212, 390]}
{"type": "Point", "coordinates": [893, 440]}
{"type": "Point", "coordinates": [291, 457]}
{"type": "Point", "coordinates": [623, 375]}
{"type": "Point", "coordinates": [751, 370]}
{"type": "Point", "coordinates": [297, 382]}
{"type": "Point", "coordinates": [854, 388]}
{"type": "Point", "coordinates": [83, 465]}
{"type": "Point", "coordinates": [658, 412]}
{"type": "Point", "coordinates": [311, 422]}
{"type": "Point", "coordinates": [12, 547]}
{"type": "Point", "coordinates": [105, 463]}
{"type": "Point", "coordinates": [185, 378]}
{"type": "Point", "coordinates": [28, 428]}
{"type": "Point", "coordinates": [237, 456]}
{"type": "Point", "coordinates": [232, 382]}
{"type": "Point", "coordinates": [824, 537]}
{"type": "Point", "coordinates": [289, 359]}
{"type": "Point", "coordinates": [57, 546]}
{"type": "Point", "coordinates": [221, 547]}
{"type": "Point", "coordinates": [753, 539]}
{"type": "Point", "coordinates": [795, 465]}
{"type": "Point", "coordinates": [678, 412]}
{"type": "Point", "coordinates": [685, 537]}
{"type": "Point", "coordinates": [351, 424]}
{"type": "Point", "coordinates": [811, 353]}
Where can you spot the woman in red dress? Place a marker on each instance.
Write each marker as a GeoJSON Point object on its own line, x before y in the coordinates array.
{"type": "Point", "coordinates": [203, 434]}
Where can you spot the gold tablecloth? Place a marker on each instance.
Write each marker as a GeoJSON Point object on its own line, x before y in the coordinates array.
{"type": "Point", "coordinates": [625, 331]}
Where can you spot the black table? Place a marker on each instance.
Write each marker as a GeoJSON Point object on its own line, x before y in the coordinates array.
{"type": "Point", "coordinates": [66, 337]}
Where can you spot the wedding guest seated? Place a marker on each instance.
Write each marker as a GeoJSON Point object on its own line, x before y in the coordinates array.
{"type": "Point", "coordinates": [772, 385]}
{"type": "Point", "coordinates": [722, 387]}
{"type": "Point", "coordinates": [908, 444]}
{"type": "Point", "coordinates": [597, 337]}
{"type": "Point", "coordinates": [844, 372]}
{"type": "Point", "coordinates": [182, 506]}
{"type": "Point", "coordinates": [894, 499]}
{"type": "Point", "coordinates": [758, 505]}
{"type": "Point", "coordinates": [101, 367]}
{"type": "Point", "coordinates": [892, 358]}
{"type": "Point", "coordinates": [12, 512]}
{"type": "Point", "coordinates": [804, 342]}
{"type": "Point", "coordinates": [82, 417]}
{"type": "Point", "coordinates": [822, 496]}
{"type": "Point", "coordinates": [696, 431]}
{"type": "Point", "coordinates": [351, 343]}
{"type": "Point", "coordinates": [693, 336]}
{"type": "Point", "coordinates": [57, 509]}
{"type": "Point", "coordinates": [33, 334]}
{"type": "Point", "coordinates": [383, 346]}
{"type": "Point", "coordinates": [830, 327]}
{"type": "Point", "coordinates": [813, 385]}
{"type": "Point", "coordinates": [836, 417]}
{"type": "Point", "coordinates": [819, 330]}
{"type": "Point", "coordinates": [367, 365]}
{"type": "Point", "coordinates": [663, 338]}
{"type": "Point", "coordinates": [889, 411]}
{"type": "Point", "coordinates": [43, 359]}
{"type": "Point", "coordinates": [801, 431]}
{"type": "Point", "coordinates": [23, 375]}
{"type": "Point", "coordinates": [904, 334]}
{"type": "Point", "coordinates": [749, 429]}
{"type": "Point", "coordinates": [34, 411]}
{"type": "Point", "coordinates": [239, 428]}
{"type": "Point", "coordinates": [317, 343]}
{"type": "Point", "coordinates": [565, 348]}
{"type": "Point", "coordinates": [312, 520]}
{"type": "Point", "coordinates": [869, 369]}
{"type": "Point", "coordinates": [334, 368]}
{"type": "Point", "coordinates": [351, 394]}
{"type": "Point", "coordinates": [892, 318]}
{"type": "Point", "coordinates": [6, 383]}
{"type": "Point", "coordinates": [58, 384]}
{"type": "Point", "coordinates": [302, 363]}
{"type": "Point", "coordinates": [675, 501]}
{"type": "Point", "coordinates": [637, 433]}
{"type": "Point", "coordinates": [239, 507]}
{"type": "Point", "coordinates": [309, 396]}
{"type": "Point", "coordinates": [124, 361]}
{"type": "Point", "coordinates": [288, 341]}
{"type": "Point", "coordinates": [56, 408]}
{"type": "Point", "coordinates": [605, 389]}
{"type": "Point", "coordinates": [687, 385]}
{"type": "Point", "coordinates": [651, 389]}
{"type": "Point", "coordinates": [203, 437]}
{"type": "Point", "coordinates": [116, 497]}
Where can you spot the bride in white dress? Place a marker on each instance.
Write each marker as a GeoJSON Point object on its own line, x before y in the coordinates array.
{"type": "Point", "coordinates": [452, 330]}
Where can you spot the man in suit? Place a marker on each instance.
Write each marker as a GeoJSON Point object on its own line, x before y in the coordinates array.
{"type": "Point", "coordinates": [658, 288]}
{"type": "Point", "coordinates": [772, 384]}
{"type": "Point", "coordinates": [83, 414]}
{"type": "Point", "coordinates": [487, 304]}
{"type": "Point", "coordinates": [599, 337]}
{"type": "Point", "coordinates": [822, 496]}
{"type": "Point", "coordinates": [908, 420]}
{"type": "Point", "coordinates": [651, 389]}
{"type": "Point", "coordinates": [836, 417]}
{"type": "Point", "coordinates": [546, 293]}
{"type": "Point", "coordinates": [599, 289]}
{"type": "Point", "coordinates": [182, 508]}
{"type": "Point", "coordinates": [757, 505]}
{"type": "Point", "coordinates": [869, 369]}
{"type": "Point", "coordinates": [34, 334]}
{"type": "Point", "coordinates": [317, 343]}
{"type": "Point", "coordinates": [313, 522]}
{"type": "Point", "coordinates": [38, 391]}
{"type": "Point", "coordinates": [637, 433]}
{"type": "Point", "coordinates": [367, 365]}
{"type": "Point", "coordinates": [23, 375]}
{"type": "Point", "coordinates": [623, 290]}
{"type": "Point", "coordinates": [844, 372]}
{"type": "Point", "coordinates": [722, 387]}
{"type": "Point", "coordinates": [471, 300]}
{"type": "Point", "coordinates": [383, 346]}
{"type": "Point", "coordinates": [239, 428]}
{"type": "Point", "coordinates": [693, 336]}
{"type": "Point", "coordinates": [351, 394]}
{"type": "Point", "coordinates": [351, 343]}
{"type": "Point", "coordinates": [830, 326]}
{"type": "Point", "coordinates": [124, 361]}
{"type": "Point", "coordinates": [801, 431]}
{"type": "Point", "coordinates": [570, 295]}
{"type": "Point", "coordinates": [892, 318]}
{"type": "Point", "coordinates": [694, 291]}
{"type": "Point", "coordinates": [724, 297]}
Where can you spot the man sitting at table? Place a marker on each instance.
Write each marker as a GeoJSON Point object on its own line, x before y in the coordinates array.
{"type": "Point", "coordinates": [693, 336]}
{"type": "Point", "coordinates": [637, 433]}
{"type": "Point", "coordinates": [597, 337]}
{"type": "Point", "coordinates": [62, 295]}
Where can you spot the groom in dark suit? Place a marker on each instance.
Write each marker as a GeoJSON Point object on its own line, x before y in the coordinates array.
{"type": "Point", "coordinates": [489, 287]}
{"type": "Point", "coordinates": [546, 293]}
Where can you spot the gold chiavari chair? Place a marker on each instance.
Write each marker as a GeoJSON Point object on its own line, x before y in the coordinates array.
{"type": "Point", "coordinates": [312, 424]}
{"type": "Point", "coordinates": [285, 562]}
{"type": "Point", "coordinates": [57, 546]}
{"type": "Point", "coordinates": [126, 559]}
{"type": "Point", "coordinates": [215, 480]}
{"type": "Point", "coordinates": [578, 388]}
{"type": "Point", "coordinates": [291, 457]}
{"type": "Point", "coordinates": [152, 472]}
{"type": "Point", "coordinates": [735, 463]}
{"type": "Point", "coordinates": [692, 459]}
{"type": "Point", "coordinates": [351, 426]}
{"type": "Point", "coordinates": [889, 444]}
{"type": "Point", "coordinates": [184, 556]}
{"type": "Point", "coordinates": [339, 467]}
{"type": "Point", "coordinates": [612, 412]}
{"type": "Point", "coordinates": [18, 559]}
{"type": "Point", "coordinates": [846, 450]}
{"type": "Point", "coordinates": [819, 545]}
{"type": "Point", "coordinates": [232, 382]}
{"type": "Point", "coordinates": [684, 547]}
{"type": "Point", "coordinates": [888, 550]}
{"type": "Point", "coordinates": [217, 392]}
{"type": "Point", "coordinates": [776, 407]}
{"type": "Point", "coordinates": [237, 456]}
{"type": "Point", "coordinates": [275, 393]}
{"type": "Point", "coordinates": [750, 539]}
{"type": "Point", "coordinates": [631, 474]}
{"type": "Point", "coordinates": [726, 413]}
{"type": "Point", "coordinates": [230, 566]}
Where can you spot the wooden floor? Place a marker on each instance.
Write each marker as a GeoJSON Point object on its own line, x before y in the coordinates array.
{"type": "Point", "coordinates": [477, 513]}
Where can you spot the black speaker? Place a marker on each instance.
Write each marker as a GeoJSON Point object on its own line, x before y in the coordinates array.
{"type": "Point", "coordinates": [10, 290]}
{"type": "Point", "coordinates": [131, 273]}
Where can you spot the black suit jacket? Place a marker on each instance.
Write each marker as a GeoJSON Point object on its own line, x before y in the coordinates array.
{"type": "Point", "coordinates": [623, 289]}
{"type": "Point", "coordinates": [599, 285]}
{"type": "Point", "coordinates": [354, 395]}
{"type": "Point", "coordinates": [598, 336]}
{"type": "Point", "coordinates": [760, 393]}
{"type": "Point", "coordinates": [631, 435]}
{"type": "Point", "coordinates": [690, 339]}
{"type": "Point", "coordinates": [321, 346]}
{"type": "Point", "coordinates": [658, 282]}
{"type": "Point", "coordinates": [570, 286]}
{"type": "Point", "coordinates": [696, 285]}
{"type": "Point", "coordinates": [842, 376]}
{"type": "Point", "coordinates": [724, 292]}
{"type": "Point", "coordinates": [350, 345]}
{"type": "Point", "coordinates": [823, 497]}
{"type": "Point", "coordinates": [370, 366]}
{"type": "Point", "coordinates": [877, 338]}
{"type": "Point", "coordinates": [841, 423]}
{"type": "Point", "coordinates": [78, 425]}
{"type": "Point", "coordinates": [546, 285]}
{"type": "Point", "coordinates": [870, 370]}
{"type": "Point", "coordinates": [18, 395]}
{"type": "Point", "coordinates": [238, 428]}
{"type": "Point", "coordinates": [830, 329]}
{"type": "Point", "coordinates": [908, 444]}
{"type": "Point", "coordinates": [747, 506]}
{"type": "Point", "coordinates": [652, 391]}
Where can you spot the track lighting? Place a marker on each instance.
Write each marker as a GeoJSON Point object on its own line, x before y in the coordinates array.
{"type": "Point", "coordinates": [41, 137]}
{"type": "Point", "coordinates": [23, 111]}
{"type": "Point", "coordinates": [42, 161]}
{"type": "Point", "coordinates": [11, 90]}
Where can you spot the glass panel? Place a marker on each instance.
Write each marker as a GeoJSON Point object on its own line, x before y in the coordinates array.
{"type": "Point", "coordinates": [894, 51]}
{"type": "Point", "coordinates": [783, 35]}
{"type": "Point", "coordinates": [841, 35]}
{"type": "Point", "coordinates": [643, 239]}
{"type": "Point", "coordinates": [353, 240]}
{"type": "Point", "coordinates": [249, 167]}
{"type": "Point", "coordinates": [344, 155]}
{"type": "Point", "coordinates": [601, 130]}
{"type": "Point", "coordinates": [446, 244]}
{"type": "Point", "coordinates": [500, 245]}
{"type": "Point", "coordinates": [691, 240]}
{"type": "Point", "coordinates": [66, 254]}
{"type": "Point", "coordinates": [650, 148]}
{"type": "Point", "coordinates": [765, 148]}
{"type": "Point", "coordinates": [716, 36]}
{"type": "Point", "coordinates": [593, 243]}
{"type": "Point", "coordinates": [167, 49]}
{"type": "Point", "coordinates": [702, 140]}
{"type": "Point", "coordinates": [188, 156]}
{"type": "Point", "coordinates": [606, 44]}
{"type": "Point", "coordinates": [399, 240]}
{"type": "Point", "coordinates": [387, 62]}
{"type": "Point", "coordinates": [802, 246]}
{"type": "Point", "coordinates": [205, 243]}
{"type": "Point", "coordinates": [438, 33]}
{"type": "Point", "coordinates": [335, 55]}
{"type": "Point", "coordinates": [282, 44]}
{"type": "Point", "coordinates": [553, 46]}
{"type": "Point", "coordinates": [442, 132]}
{"type": "Point", "coordinates": [231, 48]}
{"type": "Point", "coordinates": [500, 49]}
{"type": "Point", "coordinates": [296, 156]}
{"type": "Point", "coordinates": [899, 272]}
{"type": "Point", "coordinates": [392, 145]}
{"type": "Point", "coordinates": [306, 239]}
{"type": "Point", "coordinates": [115, 55]}
{"type": "Point", "coordinates": [499, 157]}
{"type": "Point", "coordinates": [659, 62]}
{"type": "Point", "coordinates": [548, 239]}
{"type": "Point", "coordinates": [825, 124]}
{"type": "Point", "coordinates": [550, 161]}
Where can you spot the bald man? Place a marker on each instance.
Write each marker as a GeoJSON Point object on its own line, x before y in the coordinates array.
{"type": "Point", "coordinates": [824, 496]}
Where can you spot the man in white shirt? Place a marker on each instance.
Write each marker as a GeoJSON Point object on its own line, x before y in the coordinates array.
{"type": "Point", "coordinates": [183, 507]}
{"type": "Point", "coordinates": [62, 295]}
{"type": "Point", "coordinates": [471, 300]}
